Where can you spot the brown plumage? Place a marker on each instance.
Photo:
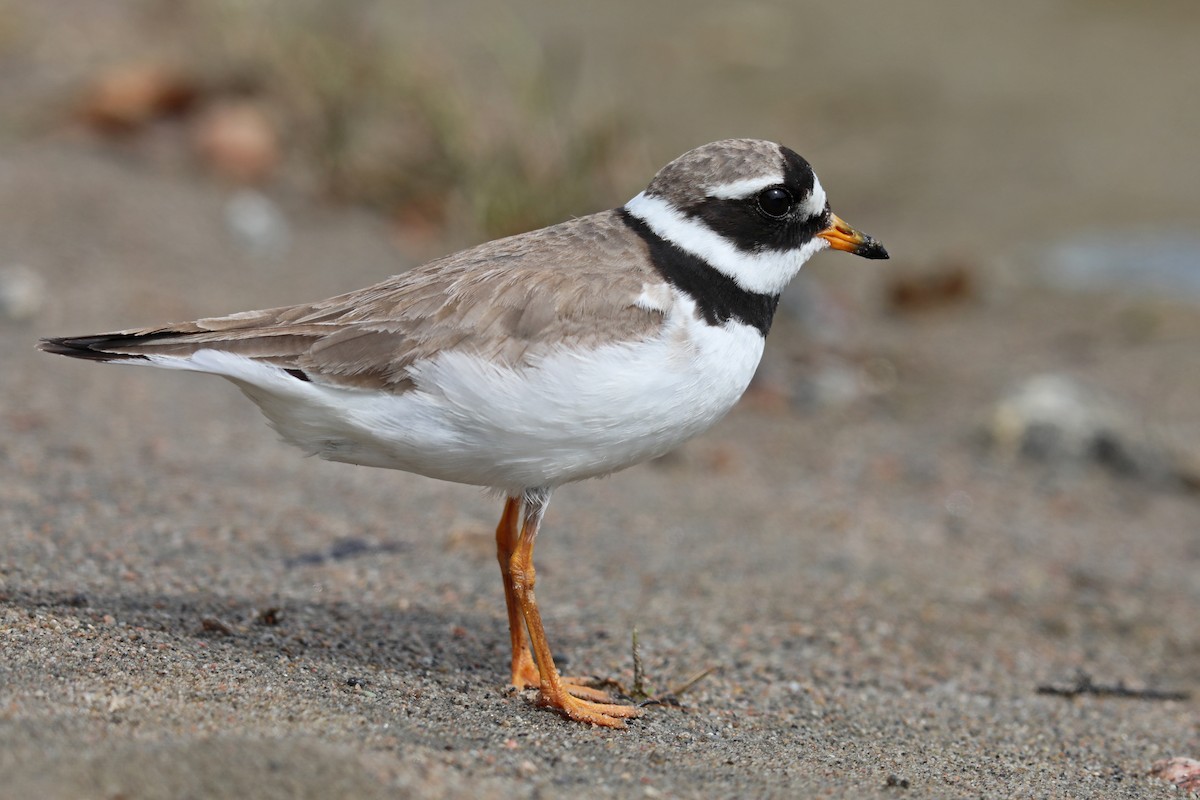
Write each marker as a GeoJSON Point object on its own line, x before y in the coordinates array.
{"type": "Point", "coordinates": [685, 182]}
{"type": "Point", "coordinates": [572, 285]}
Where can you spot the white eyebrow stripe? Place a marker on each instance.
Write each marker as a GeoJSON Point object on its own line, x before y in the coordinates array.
{"type": "Point", "coordinates": [745, 187]}
{"type": "Point", "coordinates": [814, 204]}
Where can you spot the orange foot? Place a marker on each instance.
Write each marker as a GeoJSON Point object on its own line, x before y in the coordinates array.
{"type": "Point", "coordinates": [607, 715]}
{"type": "Point", "coordinates": [525, 676]}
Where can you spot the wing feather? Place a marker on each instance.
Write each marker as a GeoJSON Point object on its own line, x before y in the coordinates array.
{"type": "Point", "coordinates": [572, 285]}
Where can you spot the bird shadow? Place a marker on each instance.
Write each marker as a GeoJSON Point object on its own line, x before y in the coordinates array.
{"type": "Point", "coordinates": [336, 636]}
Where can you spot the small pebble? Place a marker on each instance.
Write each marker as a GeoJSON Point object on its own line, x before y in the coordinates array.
{"type": "Point", "coordinates": [1183, 772]}
{"type": "Point", "coordinates": [22, 293]}
{"type": "Point", "coordinates": [257, 223]}
{"type": "Point", "coordinates": [1058, 421]}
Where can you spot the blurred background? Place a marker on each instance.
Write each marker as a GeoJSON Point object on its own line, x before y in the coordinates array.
{"type": "Point", "coordinates": [978, 130]}
{"type": "Point", "coordinates": [1035, 152]}
{"type": "Point", "coordinates": [961, 474]}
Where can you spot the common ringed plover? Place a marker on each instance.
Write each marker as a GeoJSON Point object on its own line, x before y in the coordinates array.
{"type": "Point", "coordinates": [536, 360]}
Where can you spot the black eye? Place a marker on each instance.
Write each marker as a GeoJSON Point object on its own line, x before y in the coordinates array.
{"type": "Point", "coordinates": [775, 201]}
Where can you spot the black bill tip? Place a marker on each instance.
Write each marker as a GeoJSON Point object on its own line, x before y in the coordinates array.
{"type": "Point", "coordinates": [871, 248]}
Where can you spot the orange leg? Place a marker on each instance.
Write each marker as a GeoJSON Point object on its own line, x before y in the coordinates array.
{"type": "Point", "coordinates": [524, 670]}
{"type": "Point", "coordinates": [554, 691]}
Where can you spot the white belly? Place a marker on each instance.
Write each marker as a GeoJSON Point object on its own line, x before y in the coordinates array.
{"type": "Point", "coordinates": [571, 415]}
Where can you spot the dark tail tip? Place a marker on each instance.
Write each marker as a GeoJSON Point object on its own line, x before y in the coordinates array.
{"type": "Point", "coordinates": [90, 348]}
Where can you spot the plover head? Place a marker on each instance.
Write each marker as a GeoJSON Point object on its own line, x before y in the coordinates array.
{"type": "Point", "coordinates": [752, 210]}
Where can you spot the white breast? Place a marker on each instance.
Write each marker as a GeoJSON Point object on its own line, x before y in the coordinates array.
{"type": "Point", "coordinates": [571, 415]}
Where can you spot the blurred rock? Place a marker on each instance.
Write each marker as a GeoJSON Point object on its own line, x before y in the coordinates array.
{"type": "Point", "coordinates": [831, 385]}
{"type": "Point", "coordinates": [1164, 262]}
{"type": "Point", "coordinates": [948, 285]}
{"type": "Point", "coordinates": [256, 222]}
{"type": "Point", "coordinates": [423, 219]}
{"type": "Point", "coordinates": [1056, 420]}
{"type": "Point", "coordinates": [22, 292]}
{"type": "Point", "coordinates": [127, 97]}
{"type": "Point", "coordinates": [237, 140]}
{"type": "Point", "coordinates": [825, 318]}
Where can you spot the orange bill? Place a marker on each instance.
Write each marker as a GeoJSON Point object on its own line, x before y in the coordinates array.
{"type": "Point", "coordinates": [842, 237]}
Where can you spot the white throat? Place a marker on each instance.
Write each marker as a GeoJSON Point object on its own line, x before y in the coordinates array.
{"type": "Point", "coordinates": [763, 272]}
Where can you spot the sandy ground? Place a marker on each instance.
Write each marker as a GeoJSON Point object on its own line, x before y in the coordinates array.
{"type": "Point", "coordinates": [188, 608]}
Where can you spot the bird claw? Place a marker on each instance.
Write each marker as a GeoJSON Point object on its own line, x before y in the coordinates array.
{"type": "Point", "coordinates": [525, 676]}
{"type": "Point", "coordinates": [574, 685]}
{"type": "Point", "coordinates": [606, 715]}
